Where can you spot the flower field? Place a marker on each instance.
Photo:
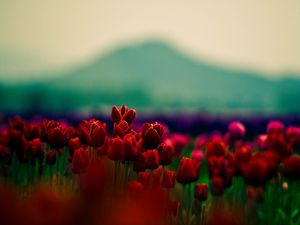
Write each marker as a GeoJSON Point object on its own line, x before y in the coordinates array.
{"type": "Point", "coordinates": [91, 172]}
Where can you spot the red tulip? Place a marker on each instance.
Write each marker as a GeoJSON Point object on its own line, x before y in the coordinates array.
{"type": "Point", "coordinates": [197, 155]}
{"type": "Point", "coordinates": [17, 123]}
{"type": "Point", "coordinates": [51, 157]}
{"type": "Point", "coordinates": [131, 147]}
{"type": "Point", "coordinates": [201, 192]}
{"type": "Point", "coordinates": [262, 141]}
{"type": "Point", "coordinates": [32, 131]}
{"type": "Point", "coordinates": [257, 171]}
{"type": "Point", "coordinates": [45, 127]}
{"type": "Point", "coordinates": [140, 164]}
{"type": "Point", "coordinates": [169, 178]}
{"type": "Point", "coordinates": [56, 137]}
{"type": "Point", "coordinates": [216, 185]}
{"type": "Point", "coordinates": [123, 113]}
{"type": "Point", "coordinates": [291, 167]}
{"type": "Point", "coordinates": [188, 171]}
{"type": "Point", "coordinates": [152, 159]}
{"type": "Point", "coordinates": [121, 129]}
{"type": "Point", "coordinates": [36, 146]}
{"type": "Point", "coordinates": [250, 193]}
{"type": "Point", "coordinates": [152, 135]}
{"type": "Point", "coordinates": [102, 150]}
{"type": "Point", "coordinates": [216, 147]}
{"type": "Point", "coordinates": [293, 136]}
{"type": "Point", "coordinates": [116, 149]}
{"type": "Point", "coordinates": [92, 132]}
{"type": "Point", "coordinates": [156, 177]}
{"type": "Point", "coordinates": [166, 153]}
{"type": "Point", "coordinates": [173, 207]}
{"type": "Point", "coordinates": [236, 130]}
{"type": "Point", "coordinates": [200, 141]}
{"type": "Point", "coordinates": [178, 141]}
{"type": "Point", "coordinates": [275, 127]}
{"type": "Point", "coordinates": [70, 132]}
{"type": "Point", "coordinates": [144, 178]}
{"type": "Point", "coordinates": [74, 143]}
{"type": "Point", "coordinates": [135, 189]}
{"type": "Point", "coordinates": [80, 161]}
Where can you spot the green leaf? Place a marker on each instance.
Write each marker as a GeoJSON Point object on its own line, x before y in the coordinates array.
{"type": "Point", "coordinates": [282, 215]}
{"type": "Point", "coordinates": [295, 214]}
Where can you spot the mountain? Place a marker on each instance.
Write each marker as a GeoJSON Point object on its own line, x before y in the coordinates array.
{"type": "Point", "coordinates": [156, 75]}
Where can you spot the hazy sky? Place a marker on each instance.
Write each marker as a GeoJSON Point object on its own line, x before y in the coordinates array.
{"type": "Point", "coordinates": [258, 34]}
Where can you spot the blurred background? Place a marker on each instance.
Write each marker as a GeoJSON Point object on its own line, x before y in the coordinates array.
{"type": "Point", "coordinates": [220, 57]}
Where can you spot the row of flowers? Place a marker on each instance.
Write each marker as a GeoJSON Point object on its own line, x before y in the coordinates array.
{"type": "Point", "coordinates": [136, 163]}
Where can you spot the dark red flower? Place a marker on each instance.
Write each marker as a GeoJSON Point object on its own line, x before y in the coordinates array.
{"type": "Point", "coordinates": [116, 149]}
{"type": "Point", "coordinates": [169, 179]}
{"type": "Point", "coordinates": [80, 161]}
{"type": "Point", "coordinates": [70, 132]}
{"type": "Point", "coordinates": [201, 192]}
{"type": "Point", "coordinates": [173, 207]}
{"type": "Point", "coordinates": [197, 155]}
{"type": "Point", "coordinates": [293, 136]}
{"type": "Point", "coordinates": [262, 141]}
{"type": "Point", "coordinates": [45, 127]}
{"type": "Point", "coordinates": [74, 144]}
{"type": "Point", "coordinates": [144, 178]}
{"type": "Point", "coordinates": [257, 171]}
{"type": "Point", "coordinates": [250, 193]}
{"type": "Point", "coordinates": [156, 177]}
{"type": "Point", "coordinates": [178, 141]}
{"type": "Point", "coordinates": [243, 155]}
{"type": "Point", "coordinates": [36, 146]}
{"type": "Point", "coordinates": [135, 189]}
{"type": "Point", "coordinates": [102, 150]}
{"type": "Point", "coordinates": [51, 157]}
{"type": "Point", "coordinates": [123, 113]}
{"type": "Point", "coordinates": [236, 130]}
{"type": "Point", "coordinates": [121, 129]}
{"type": "Point", "coordinates": [291, 167]}
{"type": "Point", "coordinates": [92, 132]}
{"type": "Point", "coordinates": [277, 143]}
{"type": "Point", "coordinates": [17, 123]}
{"type": "Point", "coordinates": [152, 135]}
{"type": "Point", "coordinates": [131, 147]}
{"type": "Point", "coordinates": [188, 171]}
{"type": "Point", "coordinates": [56, 137]}
{"type": "Point", "coordinates": [166, 153]}
{"type": "Point", "coordinates": [201, 141]}
{"type": "Point", "coordinates": [216, 147]}
{"type": "Point", "coordinates": [275, 127]}
{"type": "Point", "coordinates": [216, 186]}
{"type": "Point", "coordinates": [152, 159]}
{"type": "Point", "coordinates": [140, 164]}
{"type": "Point", "coordinates": [32, 131]}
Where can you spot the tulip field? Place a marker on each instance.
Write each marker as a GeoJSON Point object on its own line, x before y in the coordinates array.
{"type": "Point", "coordinates": [55, 172]}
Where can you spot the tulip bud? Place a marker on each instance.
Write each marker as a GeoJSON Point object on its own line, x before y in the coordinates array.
{"type": "Point", "coordinates": [152, 159]}
{"type": "Point", "coordinates": [80, 161]}
{"type": "Point", "coordinates": [216, 185]}
{"type": "Point", "coordinates": [187, 171]}
{"type": "Point", "coordinates": [56, 138]}
{"type": "Point", "coordinates": [166, 153]}
{"type": "Point", "coordinates": [152, 135]}
{"type": "Point", "coordinates": [201, 192]}
{"type": "Point", "coordinates": [51, 157]}
{"type": "Point", "coordinates": [116, 149]}
{"type": "Point", "coordinates": [169, 178]}
{"type": "Point", "coordinates": [144, 178]}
